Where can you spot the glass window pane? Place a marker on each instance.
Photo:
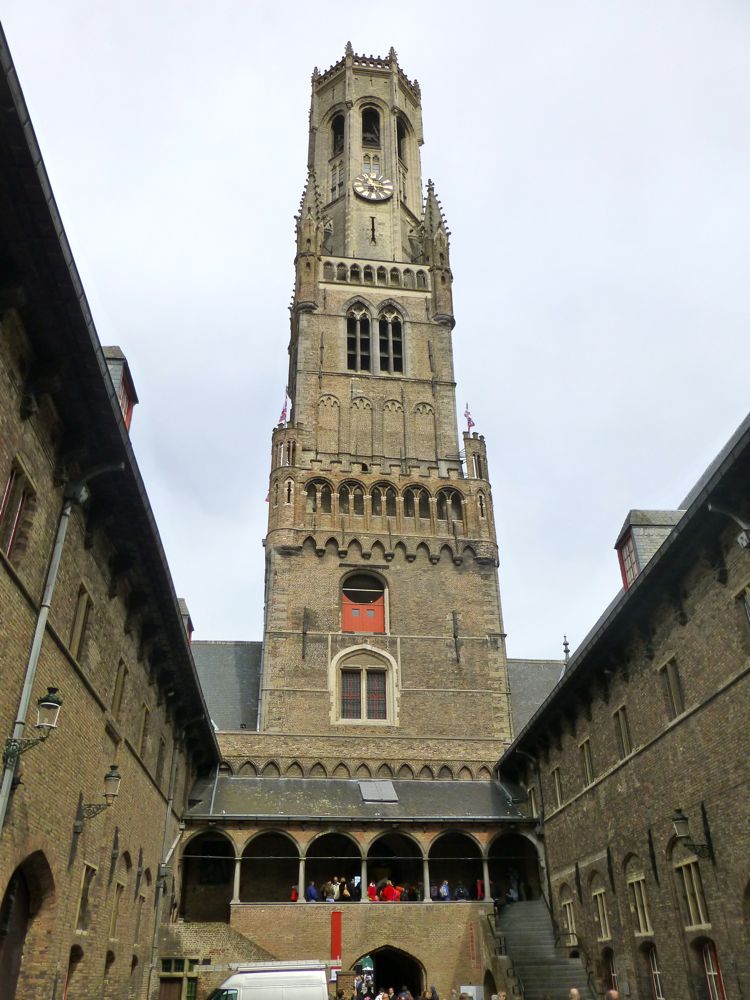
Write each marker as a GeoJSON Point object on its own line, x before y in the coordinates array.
{"type": "Point", "coordinates": [376, 707]}
{"type": "Point", "coordinates": [351, 694]}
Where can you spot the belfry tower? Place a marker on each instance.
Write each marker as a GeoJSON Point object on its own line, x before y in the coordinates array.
{"type": "Point", "coordinates": [383, 651]}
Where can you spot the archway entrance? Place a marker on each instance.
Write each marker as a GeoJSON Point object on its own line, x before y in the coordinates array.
{"type": "Point", "coordinates": [332, 855]}
{"type": "Point", "coordinates": [514, 865]}
{"type": "Point", "coordinates": [490, 986]}
{"type": "Point", "coordinates": [270, 867]}
{"type": "Point", "coordinates": [25, 916]}
{"type": "Point", "coordinates": [396, 968]}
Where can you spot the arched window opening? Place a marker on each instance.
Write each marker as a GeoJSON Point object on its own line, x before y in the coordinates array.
{"type": "Point", "coordinates": [382, 276]}
{"type": "Point", "coordinates": [358, 501]}
{"type": "Point", "coordinates": [333, 860]}
{"type": "Point", "coordinates": [514, 868]}
{"type": "Point", "coordinates": [371, 164]}
{"type": "Point", "coordinates": [391, 342]}
{"type": "Point", "coordinates": [337, 135]}
{"type": "Point", "coordinates": [480, 498]}
{"type": "Point", "coordinates": [478, 467]}
{"type": "Point", "coordinates": [408, 278]}
{"type": "Point", "coordinates": [449, 506]}
{"type": "Point", "coordinates": [341, 273]}
{"type": "Point", "coordinates": [395, 276]}
{"type": "Point", "coordinates": [362, 604]}
{"type": "Point", "coordinates": [401, 139]}
{"type": "Point", "coordinates": [337, 180]}
{"type": "Point", "coordinates": [570, 938]}
{"type": "Point", "coordinates": [421, 279]}
{"type": "Point", "coordinates": [343, 499]}
{"type": "Point", "coordinates": [207, 878]}
{"type": "Point", "coordinates": [610, 969]}
{"type": "Point", "coordinates": [416, 502]}
{"type": "Point", "coordinates": [328, 272]}
{"type": "Point", "coordinates": [358, 340]}
{"type": "Point", "coordinates": [370, 127]}
{"type": "Point", "coordinates": [368, 275]}
{"type": "Point", "coordinates": [269, 868]}
{"type": "Point", "coordinates": [318, 497]}
{"type": "Point", "coordinates": [354, 273]}
{"type": "Point", "coordinates": [289, 491]}
{"type": "Point", "coordinates": [394, 865]}
{"type": "Point", "coordinates": [455, 868]}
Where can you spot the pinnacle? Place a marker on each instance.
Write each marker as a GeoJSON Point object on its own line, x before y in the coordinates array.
{"type": "Point", "coordinates": [434, 216]}
{"type": "Point", "coordinates": [310, 202]}
{"type": "Point", "coordinates": [349, 50]}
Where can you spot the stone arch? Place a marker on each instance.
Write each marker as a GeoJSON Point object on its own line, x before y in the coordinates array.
{"type": "Point", "coordinates": [75, 960]}
{"type": "Point", "coordinates": [225, 767]}
{"type": "Point", "coordinates": [514, 864]}
{"type": "Point", "coordinates": [489, 984]}
{"type": "Point", "coordinates": [329, 423]}
{"type": "Point", "coordinates": [248, 770]}
{"type": "Point", "coordinates": [318, 770]}
{"type": "Point", "coordinates": [455, 857]}
{"type": "Point", "coordinates": [354, 549]}
{"type": "Point", "coordinates": [363, 771]}
{"type": "Point", "coordinates": [484, 773]}
{"type": "Point", "coordinates": [378, 551]}
{"type": "Point", "coordinates": [270, 770]}
{"type": "Point", "coordinates": [426, 773]}
{"type": "Point", "coordinates": [405, 771]}
{"type": "Point", "coordinates": [468, 552]}
{"type": "Point", "coordinates": [332, 547]}
{"type": "Point", "coordinates": [309, 546]}
{"type": "Point", "coordinates": [400, 550]}
{"type": "Point", "coordinates": [294, 770]}
{"type": "Point", "coordinates": [423, 551]}
{"type": "Point", "coordinates": [26, 917]}
{"type": "Point", "coordinates": [328, 271]}
{"type": "Point", "coordinates": [207, 876]}
{"type": "Point", "coordinates": [465, 774]}
{"type": "Point", "coordinates": [392, 965]}
{"type": "Point", "coordinates": [399, 307]}
{"type": "Point", "coordinates": [341, 770]}
{"type": "Point", "coordinates": [385, 771]}
{"type": "Point", "coordinates": [396, 856]}
{"type": "Point", "coordinates": [421, 279]}
{"type": "Point", "coordinates": [445, 773]}
{"type": "Point", "coordinates": [332, 853]}
{"type": "Point", "coordinates": [269, 867]}
{"type": "Point", "coordinates": [447, 551]}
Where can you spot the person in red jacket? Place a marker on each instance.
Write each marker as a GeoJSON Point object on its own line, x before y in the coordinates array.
{"type": "Point", "coordinates": [372, 892]}
{"type": "Point", "coordinates": [389, 893]}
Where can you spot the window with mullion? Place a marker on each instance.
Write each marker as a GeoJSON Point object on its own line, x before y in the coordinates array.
{"type": "Point", "coordinates": [351, 694]}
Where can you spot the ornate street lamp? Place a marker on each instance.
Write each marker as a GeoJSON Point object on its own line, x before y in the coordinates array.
{"type": "Point", "coordinates": [88, 810]}
{"type": "Point", "coordinates": [47, 712]}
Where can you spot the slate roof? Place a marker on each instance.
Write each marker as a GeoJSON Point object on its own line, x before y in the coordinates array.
{"type": "Point", "coordinates": [229, 673]}
{"type": "Point", "coordinates": [530, 682]}
{"type": "Point", "coordinates": [341, 800]}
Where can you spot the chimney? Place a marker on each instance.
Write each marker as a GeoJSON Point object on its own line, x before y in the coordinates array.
{"type": "Point", "coordinates": [122, 380]}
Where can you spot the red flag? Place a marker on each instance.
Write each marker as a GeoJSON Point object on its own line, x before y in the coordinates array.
{"type": "Point", "coordinates": [469, 422]}
{"type": "Point", "coordinates": [282, 418]}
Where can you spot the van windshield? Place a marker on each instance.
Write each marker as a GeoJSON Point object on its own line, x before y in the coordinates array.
{"type": "Point", "coordinates": [223, 995]}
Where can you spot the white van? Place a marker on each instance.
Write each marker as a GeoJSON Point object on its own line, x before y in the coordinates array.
{"type": "Point", "coordinates": [275, 981]}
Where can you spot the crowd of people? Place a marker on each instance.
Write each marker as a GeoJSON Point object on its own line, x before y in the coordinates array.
{"type": "Point", "coordinates": [339, 889]}
{"type": "Point", "coordinates": [365, 989]}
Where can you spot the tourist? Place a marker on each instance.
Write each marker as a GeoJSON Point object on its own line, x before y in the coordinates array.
{"type": "Point", "coordinates": [460, 893]}
{"type": "Point", "coordinates": [311, 893]}
{"type": "Point", "coordinates": [444, 892]}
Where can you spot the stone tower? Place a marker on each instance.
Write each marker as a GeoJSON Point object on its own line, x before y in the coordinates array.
{"type": "Point", "coordinates": [383, 647]}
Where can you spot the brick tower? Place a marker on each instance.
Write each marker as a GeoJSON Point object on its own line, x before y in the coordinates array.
{"type": "Point", "coordinates": [383, 646]}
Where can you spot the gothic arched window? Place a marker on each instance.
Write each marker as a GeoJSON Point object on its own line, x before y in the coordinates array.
{"type": "Point", "coordinates": [365, 683]}
{"type": "Point", "coordinates": [401, 139]}
{"type": "Point", "coordinates": [416, 502]}
{"type": "Point", "coordinates": [370, 127]}
{"type": "Point", "coordinates": [318, 497]}
{"type": "Point", "coordinates": [337, 135]}
{"type": "Point", "coordinates": [358, 340]}
{"type": "Point", "coordinates": [362, 604]}
{"type": "Point", "coordinates": [449, 506]}
{"type": "Point", "coordinates": [391, 342]}
{"type": "Point", "coordinates": [383, 501]}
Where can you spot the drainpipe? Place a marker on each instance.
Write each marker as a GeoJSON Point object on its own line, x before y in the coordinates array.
{"type": "Point", "coordinates": [161, 879]}
{"type": "Point", "coordinates": [75, 494]}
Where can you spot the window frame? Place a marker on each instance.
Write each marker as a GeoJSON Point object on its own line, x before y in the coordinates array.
{"type": "Point", "coordinates": [83, 909]}
{"type": "Point", "coordinates": [713, 974]}
{"type": "Point", "coordinates": [118, 695]}
{"type": "Point", "coordinates": [654, 973]}
{"type": "Point", "coordinates": [366, 661]}
{"type": "Point", "coordinates": [569, 922]}
{"type": "Point", "coordinates": [81, 621]}
{"type": "Point", "coordinates": [671, 681]}
{"type": "Point", "coordinates": [638, 896]}
{"type": "Point", "coordinates": [599, 898]}
{"type": "Point", "coordinates": [622, 731]}
{"type": "Point", "coordinates": [628, 558]}
{"type": "Point", "coordinates": [690, 883]}
{"type": "Point", "coordinates": [16, 509]}
{"type": "Point", "coordinates": [557, 785]}
{"type": "Point", "coordinates": [587, 762]}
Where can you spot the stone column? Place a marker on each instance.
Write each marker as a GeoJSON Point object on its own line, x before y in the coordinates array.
{"type": "Point", "coordinates": [426, 879]}
{"type": "Point", "coordinates": [301, 881]}
{"type": "Point", "coordinates": [236, 889]}
{"type": "Point", "coordinates": [486, 876]}
{"type": "Point", "coordinates": [364, 897]}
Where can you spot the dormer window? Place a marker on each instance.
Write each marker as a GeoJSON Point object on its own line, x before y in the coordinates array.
{"type": "Point", "coordinates": [628, 562]}
{"type": "Point", "coordinates": [370, 127]}
{"type": "Point", "coordinates": [362, 604]}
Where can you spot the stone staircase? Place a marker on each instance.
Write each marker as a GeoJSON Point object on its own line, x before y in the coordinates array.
{"type": "Point", "coordinates": [545, 972]}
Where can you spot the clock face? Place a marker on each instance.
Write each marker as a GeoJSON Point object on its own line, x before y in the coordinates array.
{"type": "Point", "coordinates": [373, 187]}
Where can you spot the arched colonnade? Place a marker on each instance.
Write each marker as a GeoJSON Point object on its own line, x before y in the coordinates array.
{"type": "Point", "coordinates": [273, 866]}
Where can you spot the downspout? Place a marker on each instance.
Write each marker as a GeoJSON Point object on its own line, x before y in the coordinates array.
{"type": "Point", "coordinates": [161, 878]}
{"type": "Point", "coordinates": [75, 493]}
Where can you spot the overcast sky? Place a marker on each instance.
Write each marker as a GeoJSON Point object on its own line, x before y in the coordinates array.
{"type": "Point", "coordinates": [593, 160]}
